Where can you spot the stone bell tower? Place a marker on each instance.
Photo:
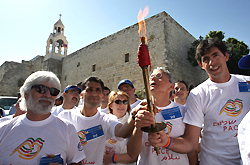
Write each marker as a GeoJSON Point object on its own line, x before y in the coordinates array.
{"type": "Point", "coordinates": [57, 45]}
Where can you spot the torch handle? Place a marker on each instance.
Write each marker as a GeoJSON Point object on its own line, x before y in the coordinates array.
{"type": "Point", "coordinates": [149, 98]}
{"type": "Point", "coordinates": [147, 89]}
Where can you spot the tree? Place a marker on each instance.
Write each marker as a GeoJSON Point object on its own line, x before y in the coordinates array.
{"type": "Point", "coordinates": [192, 50]}
{"type": "Point", "coordinates": [214, 34]}
{"type": "Point", "coordinates": [236, 50]}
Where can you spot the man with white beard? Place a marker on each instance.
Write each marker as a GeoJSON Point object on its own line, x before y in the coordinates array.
{"type": "Point", "coordinates": [38, 137]}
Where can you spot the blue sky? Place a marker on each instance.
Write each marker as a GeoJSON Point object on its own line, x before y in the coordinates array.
{"type": "Point", "coordinates": [25, 25]}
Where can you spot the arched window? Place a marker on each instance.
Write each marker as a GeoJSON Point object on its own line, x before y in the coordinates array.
{"type": "Point", "coordinates": [20, 82]}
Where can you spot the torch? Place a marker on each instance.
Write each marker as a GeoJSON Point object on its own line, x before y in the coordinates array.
{"type": "Point", "coordinates": [143, 61]}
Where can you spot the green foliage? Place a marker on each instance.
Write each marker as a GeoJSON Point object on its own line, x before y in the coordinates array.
{"type": "Point", "coordinates": [141, 94]}
{"type": "Point", "coordinates": [236, 50]}
{"type": "Point", "coordinates": [192, 50]}
{"type": "Point", "coordinates": [214, 34]}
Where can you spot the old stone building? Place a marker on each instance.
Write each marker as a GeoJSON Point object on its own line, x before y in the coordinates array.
{"type": "Point", "coordinates": [112, 58]}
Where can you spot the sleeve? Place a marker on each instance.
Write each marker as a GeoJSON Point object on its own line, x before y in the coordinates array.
{"type": "Point", "coordinates": [64, 115]}
{"type": "Point", "coordinates": [74, 153]}
{"type": "Point", "coordinates": [243, 139]}
{"type": "Point", "coordinates": [3, 112]}
{"type": "Point", "coordinates": [53, 111]}
{"type": "Point", "coordinates": [194, 115]}
{"type": "Point", "coordinates": [112, 121]}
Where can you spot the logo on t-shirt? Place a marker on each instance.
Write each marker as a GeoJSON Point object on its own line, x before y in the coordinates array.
{"type": "Point", "coordinates": [29, 148]}
{"type": "Point", "coordinates": [232, 107]}
{"type": "Point", "coordinates": [168, 127]}
{"type": "Point", "coordinates": [82, 138]}
{"type": "Point", "coordinates": [112, 141]}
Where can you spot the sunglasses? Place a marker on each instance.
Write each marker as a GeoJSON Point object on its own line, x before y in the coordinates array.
{"type": "Point", "coordinates": [158, 76]}
{"type": "Point", "coordinates": [119, 102]}
{"type": "Point", "coordinates": [43, 89]}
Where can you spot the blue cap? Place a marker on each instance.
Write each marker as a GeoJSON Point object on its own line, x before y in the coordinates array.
{"type": "Point", "coordinates": [244, 62]}
{"type": "Point", "coordinates": [125, 81]}
{"type": "Point", "coordinates": [72, 87]}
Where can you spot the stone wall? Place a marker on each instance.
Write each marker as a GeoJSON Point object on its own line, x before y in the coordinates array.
{"type": "Point", "coordinates": [177, 42]}
{"type": "Point", "coordinates": [168, 43]}
{"type": "Point", "coordinates": [13, 77]}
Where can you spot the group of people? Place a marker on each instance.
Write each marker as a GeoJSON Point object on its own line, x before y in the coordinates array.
{"type": "Point", "coordinates": [94, 125]}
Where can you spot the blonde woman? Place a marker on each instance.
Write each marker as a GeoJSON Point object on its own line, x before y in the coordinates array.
{"type": "Point", "coordinates": [116, 148]}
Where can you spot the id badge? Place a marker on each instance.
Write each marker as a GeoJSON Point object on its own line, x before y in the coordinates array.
{"type": "Point", "coordinates": [171, 113]}
{"type": "Point", "coordinates": [94, 132]}
{"type": "Point", "coordinates": [46, 160]}
{"type": "Point", "coordinates": [244, 87]}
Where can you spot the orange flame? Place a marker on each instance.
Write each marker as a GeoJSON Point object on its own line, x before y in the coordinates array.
{"type": "Point", "coordinates": [141, 22]}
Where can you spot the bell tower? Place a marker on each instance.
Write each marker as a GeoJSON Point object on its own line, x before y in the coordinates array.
{"type": "Point", "coordinates": [57, 45]}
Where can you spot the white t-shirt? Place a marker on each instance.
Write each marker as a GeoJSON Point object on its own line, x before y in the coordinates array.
{"type": "Point", "coordinates": [135, 104]}
{"type": "Point", "coordinates": [58, 109]}
{"type": "Point", "coordinates": [6, 118]}
{"type": "Point", "coordinates": [26, 142]}
{"type": "Point", "coordinates": [81, 101]}
{"type": "Point", "coordinates": [244, 139]}
{"type": "Point", "coordinates": [105, 110]}
{"type": "Point", "coordinates": [3, 112]}
{"type": "Point", "coordinates": [93, 132]}
{"type": "Point", "coordinates": [118, 145]}
{"type": "Point", "coordinates": [175, 128]}
{"type": "Point", "coordinates": [220, 107]}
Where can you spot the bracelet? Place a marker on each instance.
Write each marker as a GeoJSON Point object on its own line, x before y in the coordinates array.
{"type": "Point", "coordinates": [113, 158]}
{"type": "Point", "coordinates": [169, 142]}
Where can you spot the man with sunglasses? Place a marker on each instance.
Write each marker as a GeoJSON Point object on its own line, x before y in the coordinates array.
{"type": "Point", "coordinates": [71, 95]}
{"type": "Point", "coordinates": [38, 137]}
{"type": "Point", "coordinates": [127, 86]}
{"type": "Point", "coordinates": [95, 127]}
{"type": "Point", "coordinates": [161, 84]}
{"type": "Point", "coordinates": [220, 103]}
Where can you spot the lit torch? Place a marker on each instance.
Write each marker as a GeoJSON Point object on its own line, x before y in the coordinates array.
{"type": "Point", "coordinates": [143, 61]}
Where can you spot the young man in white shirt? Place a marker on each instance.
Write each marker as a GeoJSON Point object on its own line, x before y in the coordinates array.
{"type": "Point", "coordinates": [95, 127]}
{"type": "Point", "coordinates": [217, 103]}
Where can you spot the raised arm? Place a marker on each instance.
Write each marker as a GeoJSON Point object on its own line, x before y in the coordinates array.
{"type": "Point", "coordinates": [134, 144]}
{"type": "Point", "coordinates": [127, 128]}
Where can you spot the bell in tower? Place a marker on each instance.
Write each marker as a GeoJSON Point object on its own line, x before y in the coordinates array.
{"type": "Point", "coordinates": [57, 45]}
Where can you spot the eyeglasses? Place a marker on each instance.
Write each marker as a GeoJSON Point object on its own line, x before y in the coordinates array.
{"type": "Point", "coordinates": [43, 89]}
{"type": "Point", "coordinates": [119, 102]}
{"type": "Point", "coordinates": [158, 76]}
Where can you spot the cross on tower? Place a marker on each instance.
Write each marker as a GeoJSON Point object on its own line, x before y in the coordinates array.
{"type": "Point", "coordinates": [60, 16]}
